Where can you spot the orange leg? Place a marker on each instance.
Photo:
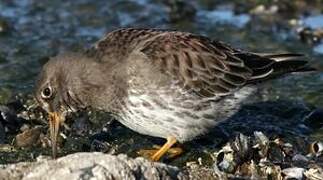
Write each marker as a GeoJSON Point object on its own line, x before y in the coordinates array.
{"type": "Point", "coordinates": [156, 154]}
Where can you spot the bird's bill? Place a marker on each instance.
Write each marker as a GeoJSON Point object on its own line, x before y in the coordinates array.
{"type": "Point", "coordinates": [54, 122]}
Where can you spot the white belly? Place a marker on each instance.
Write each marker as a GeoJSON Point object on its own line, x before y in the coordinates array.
{"type": "Point", "coordinates": [184, 117]}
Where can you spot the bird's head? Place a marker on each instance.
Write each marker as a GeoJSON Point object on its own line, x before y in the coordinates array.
{"type": "Point", "coordinates": [55, 90]}
{"type": "Point", "coordinates": [72, 81]}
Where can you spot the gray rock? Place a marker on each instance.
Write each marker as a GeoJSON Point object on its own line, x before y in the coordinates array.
{"type": "Point", "coordinates": [90, 166]}
{"type": "Point", "coordinates": [293, 173]}
{"type": "Point", "coordinates": [2, 134]}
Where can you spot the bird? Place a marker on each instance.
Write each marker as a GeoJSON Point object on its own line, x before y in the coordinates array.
{"type": "Point", "coordinates": [161, 83]}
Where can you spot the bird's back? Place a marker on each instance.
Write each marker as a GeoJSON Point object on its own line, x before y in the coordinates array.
{"type": "Point", "coordinates": [183, 84]}
{"type": "Point", "coordinates": [201, 65]}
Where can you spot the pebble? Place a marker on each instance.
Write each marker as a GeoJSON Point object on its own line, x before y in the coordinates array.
{"type": "Point", "coordinates": [28, 138]}
{"type": "Point", "coordinates": [293, 173]}
{"type": "Point", "coordinates": [7, 148]}
{"type": "Point", "coordinates": [310, 36]}
{"type": "Point", "coordinates": [9, 119]}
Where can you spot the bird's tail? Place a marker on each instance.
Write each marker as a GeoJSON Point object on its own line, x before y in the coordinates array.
{"type": "Point", "coordinates": [268, 66]}
{"type": "Point", "coordinates": [290, 63]}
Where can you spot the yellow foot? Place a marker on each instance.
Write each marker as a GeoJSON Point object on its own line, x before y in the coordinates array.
{"type": "Point", "coordinates": [147, 153]}
{"type": "Point", "coordinates": [171, 153]}
{"type": "Point", "coordinates": [158, 152]}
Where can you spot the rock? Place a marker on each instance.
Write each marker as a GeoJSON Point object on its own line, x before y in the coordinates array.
{"type": "Point", "coordinates": [90, 166]}
{"type": "Point", "coordinates": [180, 10]}
{"type": "Point", "coordinates": [81, 125]}
{"type": "Point", "coordinates": [314, 119]}
{"type": "Point", "coordinates": [262, 10]}
{"type": "Point", "coordinates": [309, 35]}
{"type": "Point", "coordinates": [29, 137]}
{"type": "Point", "coordinates": [101, 146]}
{"type": "Point", "coordinates": [300, 160]}
{"type": "Point", "coordinates": [234, 154]}
{"type": "Point", "coordinates": [2, 134]}
{"type": "Point", "coordinates": [262, 143]}
{"type": "Point", "coordinates": [4, 26]}
{"type": "Point", "coordinates": [259, 157]}
{"type": "Point", "coordinates": [198, 172]}
{"type": "Point", "coordinates": [7, 148]}
{"type": "Point", "coordinates": [293, 173]}
{"type": "Point", "coordinates": [314, 173]}
{"type": "Point", "coordinates": [9, 119]}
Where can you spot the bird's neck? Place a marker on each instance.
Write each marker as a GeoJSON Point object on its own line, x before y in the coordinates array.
{"type": "Point", "coordinates": [100, 88]}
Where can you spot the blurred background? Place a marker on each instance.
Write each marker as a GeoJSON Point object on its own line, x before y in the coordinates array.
{"type": "Point", "coordinates": [31, 31]}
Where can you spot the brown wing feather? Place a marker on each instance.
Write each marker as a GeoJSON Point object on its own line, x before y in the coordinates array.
{"type": "Point", "coordinates": [120, 43]}
{"type": "Point", "coordinates": [209, 68]}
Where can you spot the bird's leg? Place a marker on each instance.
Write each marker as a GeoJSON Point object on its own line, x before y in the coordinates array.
{"type": "Point", "coordinates": [172, 152]}
{"type": "Point", "coordinates": [157, 153]}
{"type": "Point", "coordinates": [170, 142]}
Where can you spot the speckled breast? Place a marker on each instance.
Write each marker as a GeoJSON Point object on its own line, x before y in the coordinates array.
{"type": "Point", "coordinates": [172, 112]}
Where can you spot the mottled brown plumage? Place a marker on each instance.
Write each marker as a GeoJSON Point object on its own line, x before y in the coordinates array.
{"type": "Point", "coordinates": [168, 84]}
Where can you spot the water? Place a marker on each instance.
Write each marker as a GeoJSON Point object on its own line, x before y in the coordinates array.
{"type": "Point", "coordinates": [314, 21]}
{"type": "Point", "coordinates": [40, 29]}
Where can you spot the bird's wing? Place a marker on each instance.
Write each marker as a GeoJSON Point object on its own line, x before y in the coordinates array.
{"type": "Point", "coordinates": [208, 67]}
{"type": "Point", "coordinates": [118, 44]}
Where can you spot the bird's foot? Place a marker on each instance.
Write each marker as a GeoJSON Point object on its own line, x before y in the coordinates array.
{"type": "Point", "coordinates": [158, 151]}
{"type": "Point", "coordinates": [171, 153]}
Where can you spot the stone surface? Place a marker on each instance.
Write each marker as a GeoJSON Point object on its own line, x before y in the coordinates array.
{"type": "Point", "coordinates": [29, 137]}
{"type": "Point", "coordinates": [90, 166]}
{"type": "Point", "coordinates": [2, 134]}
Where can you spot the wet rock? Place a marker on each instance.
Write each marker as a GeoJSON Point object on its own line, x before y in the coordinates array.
{"type": "Point", "coordinates": [180, 10]}
{"type": "Point", "coordinates": [309, 35]}
{"type": "Point", "coordinates": [101, 136]}
{"type": "Point", "coordinates": [318, 64]}
{"type": "Point", "coordinates": [275, 153]}
{"type": "Point", "coordinates": [91, 166]}
{"type": "Point", "coordinates": [314, 120]}
{"type": "Point", "coordinates": [99, 142]}
{"type": "Point", "coordinates": [260, 157]}
{"type": "Point", "coordinates": [72, 144]}
{"type": "Point", "coordinates": [7, 148]}
{"type": "Point", "coordinates": [30, 110]}
{"type": "Point", "coordinates": [2, 134]}
{"type": "Point", "coordinates": [314, 173]}
{"type": "Point", "coordinates": [271, 117]}
{"type": "Point", "coordinates": [263, 10]}
{"type": "Point", "coordinates": [81, 126]}
{"type": "Point", "coordinates": [4, 26]}
{"type": "Point", "coordinates": [196, 171]}
{"type": "Point", "coordinates": [300, 160]}
{"type": "Point", "coordinates": [262, 144]}
{"type": "Point", "coordinates": [101, 146]}
{"type": "Point", "coordinates": [234, 154]}
{"type": "Point", "coordinates": [293, 173]}
{"type": "Point", "coordinates": [9, 119]}
{"type": "Point", "coordinates": [28, 138]}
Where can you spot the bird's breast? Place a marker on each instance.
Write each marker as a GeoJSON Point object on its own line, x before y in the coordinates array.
{"type": "Point", "coordinates": [166, 112]}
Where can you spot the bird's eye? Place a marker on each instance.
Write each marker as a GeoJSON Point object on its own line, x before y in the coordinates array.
{"type": "Point", "coordinates": [46, 93]}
